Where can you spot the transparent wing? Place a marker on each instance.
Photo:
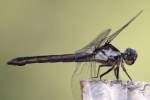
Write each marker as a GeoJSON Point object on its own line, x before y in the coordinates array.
{"type": "Point", "coordinates": [83, 71]}
{"type": "Point", "coordinates": [111, 37]}
{"type": "Point", "coordinates": [87, 70]}
{"type": "Point", "coordinates": [97, 42]}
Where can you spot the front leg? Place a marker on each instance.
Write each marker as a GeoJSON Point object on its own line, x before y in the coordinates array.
{"type": "Point", "coordinates": [122, 66]}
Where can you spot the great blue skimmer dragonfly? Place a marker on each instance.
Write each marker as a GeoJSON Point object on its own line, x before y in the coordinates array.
{"type": "Point", "coordinates": [99, 50]}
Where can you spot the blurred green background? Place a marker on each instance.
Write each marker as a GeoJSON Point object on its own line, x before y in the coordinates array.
{"type": "Point", "coordinates": [40, 27]}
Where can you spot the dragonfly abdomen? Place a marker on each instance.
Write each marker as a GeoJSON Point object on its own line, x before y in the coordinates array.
{"type": "Point", "coordinates": [20, 61]}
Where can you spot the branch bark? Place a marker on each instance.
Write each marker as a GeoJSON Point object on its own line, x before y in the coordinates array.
{"type": "Point", "coordinates": [115, 90]}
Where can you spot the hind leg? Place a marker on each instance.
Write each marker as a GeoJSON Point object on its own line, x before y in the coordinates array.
{"type": "Point", "coordinates": [106, 72]}
{"type": "Point", "coordinates": [98, 70]}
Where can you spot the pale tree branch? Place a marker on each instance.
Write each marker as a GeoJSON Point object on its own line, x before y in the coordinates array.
{"type": "Point", "coordinates": [115, 90]}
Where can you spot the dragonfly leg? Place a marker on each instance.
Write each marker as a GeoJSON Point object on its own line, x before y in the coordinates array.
{"type": "Point", "coordinates": [98, 70]}
{"type": "Point", "coordinates": [122, 65]}
{"type": "Point", "coordinates": [106, 72]}
{"type": "Point", "coordinates": [116, 71]}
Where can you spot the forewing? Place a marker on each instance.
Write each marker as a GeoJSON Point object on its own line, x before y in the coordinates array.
{"type": "Point", "coordinates": [97, 42]}
{"type": "Point", "coordinates": [111, 37]}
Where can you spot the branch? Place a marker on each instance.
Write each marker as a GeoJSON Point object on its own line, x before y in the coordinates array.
{"type": "Point", "coordinates": [115, 90]}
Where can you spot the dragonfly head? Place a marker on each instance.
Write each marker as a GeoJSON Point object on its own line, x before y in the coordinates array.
{"type": "Point", "coordinates": [129, 56]}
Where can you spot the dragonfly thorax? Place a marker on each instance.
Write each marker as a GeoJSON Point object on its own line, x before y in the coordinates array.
{"type": "Point", "coordinates": [129, 56]}
{"type": "Point", "coordinates": [107, 54]}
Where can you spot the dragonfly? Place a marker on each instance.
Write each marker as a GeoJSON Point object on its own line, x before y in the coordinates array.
{"type": "Point", "coordinates": [100, 50]}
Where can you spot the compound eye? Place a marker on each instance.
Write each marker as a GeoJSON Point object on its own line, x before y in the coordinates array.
{"type": "Point", "coordinates": [130, 56]}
